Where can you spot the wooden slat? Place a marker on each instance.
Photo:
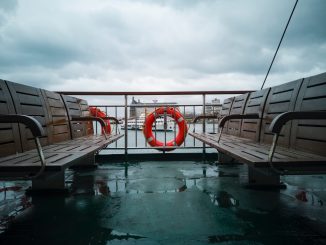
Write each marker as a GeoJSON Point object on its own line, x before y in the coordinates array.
{"type": "Point", "coordinates": [61, 129]}
{"type": "Point", "coordinates": [58, 156]}
{"type": "Point", "coordinates": [29, 101]}
{"type": "Point", "coordinates": [72, 148]}
{"type": "Point", "coordinates": [29, 161]}
{"type": "Point", "coordinates": [281, 99]}
{"type": "Point", "coordinates": [233, 127]}
{"type": "Point", "coordinates": [256, 154]}
{"type": "Point", "coordinates": [9, 133]}
{"type": "Point", "coordinates": [310, 135]}
{"type": "Point", "coordinates": [85, 112]}
{"type": "Point", "coordinates": [58, 119]}
{"type": "Point", "coordinates": [226, 106]}
{"type": "Point", "coordinates": [78, 129]}
{"type": "Point", "coordinates": [93, 140]}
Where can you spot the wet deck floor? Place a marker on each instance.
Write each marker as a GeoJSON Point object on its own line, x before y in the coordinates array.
{"type": "Point", "coordinates": [167, 203]}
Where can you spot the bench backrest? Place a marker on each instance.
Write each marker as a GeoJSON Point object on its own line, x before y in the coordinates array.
{"type": "Point", "coordinates": [281, 99]}
{"type": "Point", "coordinates": [59, 123]}
{"type": "Point", "coordinates": [29, 101]}
{"type": "Point", "coordinates": [310, 135]}
{"type": "Point", "coordinates": [49, 108]}
{"type": "Point", "coordinates": [9, 133]}
{"type": "Point", "coordinates": [226, 106]}
{"type": "Point", "coordinates": [77, 108]}
{"type": "Point", "coordinates": [233, 127]}
{"type": "Point", "coordinates": [250, 128]}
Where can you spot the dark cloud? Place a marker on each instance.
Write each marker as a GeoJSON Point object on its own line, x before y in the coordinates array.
{"type": "Point", "coordinates": [8, 5]}
{"type": "Point", "coordinates": [46, 53]}
{"type": "Point", "coordinates": [307, 26]}
{"type": "Point", "coordinates": [159, 45]}
{"type": "Point", "coordinates": [6, 8]}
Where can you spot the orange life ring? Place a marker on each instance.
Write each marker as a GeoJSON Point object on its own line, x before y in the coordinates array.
{"type": "Point", "coordinates": [96, 112]}
{"type": "Point", "coordinates": [173, 113]}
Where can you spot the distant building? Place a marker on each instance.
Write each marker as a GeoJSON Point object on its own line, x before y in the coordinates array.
{"type": "Point", "coordinates": [137, 107]}
{"type": "Point", "coordinates": [213, 108]}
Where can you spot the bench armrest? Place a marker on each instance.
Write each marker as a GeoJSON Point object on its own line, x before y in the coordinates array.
{"type": "Point", "coordinates": [280, 120]}
{"type": "Point", "coordinates": [111, 118]}
{"type": "Point", "coordinates": [90, 119]}
{"type": "Point", "coordinates": [37, 131]}
{"type": "Point", "coordinates": [204, 117]}
{"type": "Point", "coordinates": [29, 121]}
{"type": "Point", "coordinates": [237, 116]}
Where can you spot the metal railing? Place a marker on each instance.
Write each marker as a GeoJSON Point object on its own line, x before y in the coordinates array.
{"type": "Point", "coordinates": [131, 137]}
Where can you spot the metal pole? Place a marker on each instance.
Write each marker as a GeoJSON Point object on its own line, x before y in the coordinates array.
{"type": "Point", "coordinates": [145, 112]}
{"type": "Point", "coordinates": [194, 125]}
{"type": "Point", "coordinates": [184, 132]}
{"type": "Point", "coordinates": [155, 122]}
{"type": "Point", "coordinates": [164, 126]}
{"type": "Point", "coordinates": [116, 126]}
{"type": "Point", "coordinates": [126, 126]}
{"type": "Point", "coordinates": [213, 121]}
{"type": "Point", "coordinates": [96, 123]}
{"type": "Point", "coordinates": [175, 126]}
{"type": "Point", "coordinates": [136, 129]}
{"type": "Point", "coordinates": [204, 121]}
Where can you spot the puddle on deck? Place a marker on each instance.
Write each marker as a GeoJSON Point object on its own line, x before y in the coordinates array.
{"type": "Point", "coordinates": [165, 203]}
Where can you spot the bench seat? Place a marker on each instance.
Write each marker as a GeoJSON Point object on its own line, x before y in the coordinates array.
{"type": "Point", "coordinates": [275, 131]}
{"type": "Point", "coordinates": [58, 156]}
{"type": "Point", "coordinates": [28, 163]}
{"type": "Point", "coordinates": [214, 137]}
{"type": "Point", "coordinates": [256, 154]}
{"type": "Point", "coordinates": [93, 140]}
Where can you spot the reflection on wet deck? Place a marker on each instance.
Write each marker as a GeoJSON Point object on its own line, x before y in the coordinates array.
{"type": "Point", "coordinates": [166, 203]}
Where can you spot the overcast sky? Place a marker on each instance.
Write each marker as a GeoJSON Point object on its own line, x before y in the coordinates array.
{"type": "Point", "coordinates": [156, 45]}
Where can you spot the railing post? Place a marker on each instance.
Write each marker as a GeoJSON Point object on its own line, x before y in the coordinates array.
{"type": "Point", "coordinates": [204, 121]}
{"type": "Point", "coordinates": [213, 121]}
{"type": "Point", "coordinates": [117, 125]}
{"type": "Point", "coordinates": [136, 128]}
{"type": "Point", "coordinates": [194, 125]}
{"type": "Point", "coordinates": [126, 125]}
{"type": "Point", "coordinates": [184, 132]}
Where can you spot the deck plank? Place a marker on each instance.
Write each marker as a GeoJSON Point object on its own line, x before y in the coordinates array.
{"type": "Point", "coordinates": [256, 154]}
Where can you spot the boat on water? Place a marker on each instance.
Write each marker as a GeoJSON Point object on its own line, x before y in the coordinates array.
{"type": "Point", "coordinates": [159, 125]}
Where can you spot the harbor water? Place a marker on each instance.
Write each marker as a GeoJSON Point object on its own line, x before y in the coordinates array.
{"type": "Point", "coordinates": [165, 203]}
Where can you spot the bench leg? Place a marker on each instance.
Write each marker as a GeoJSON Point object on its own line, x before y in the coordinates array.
{"type": "Point", "coordinates": [49, 182]}
{"type": "Point", "coordinates": [85, 162]}
{"type": "Point", "coordinates": [263, 179]}
{"type": "Point", "coordinates": [223, 158]}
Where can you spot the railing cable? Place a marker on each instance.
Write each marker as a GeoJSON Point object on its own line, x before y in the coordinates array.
{"type": "Point", "coordinates": [279, 44]}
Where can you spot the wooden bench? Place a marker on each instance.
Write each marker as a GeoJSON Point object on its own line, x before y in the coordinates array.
{"type": "Point", "coordinates": [282, 131]}
{"type": "Point", "coordinates": [43, 133]}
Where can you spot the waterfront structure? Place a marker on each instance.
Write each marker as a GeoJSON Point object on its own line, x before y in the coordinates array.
{"type": "Point", "coordinates": [138, 108]}
{"type": "Point", "coordinates": [213, 108]}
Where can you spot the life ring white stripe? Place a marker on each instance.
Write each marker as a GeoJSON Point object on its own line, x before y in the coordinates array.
{"type": "Point", "coordinates": [180, 119]}
{"type": "Point", "coordinates": [150, 139]}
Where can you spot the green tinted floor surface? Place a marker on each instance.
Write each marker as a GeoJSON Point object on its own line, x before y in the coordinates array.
{"type": "Point", "coordinates": [166, 203]}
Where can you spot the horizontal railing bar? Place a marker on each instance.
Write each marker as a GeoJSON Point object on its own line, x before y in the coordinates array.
{"type": "Point", "coordinates": [158, 105]}
{"type": "Point", "coordinates": [155, 93]}
{"type": "Point", "coordinates": [154, 148]}
{"type": "Point", "coordinates": [184, 156]}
